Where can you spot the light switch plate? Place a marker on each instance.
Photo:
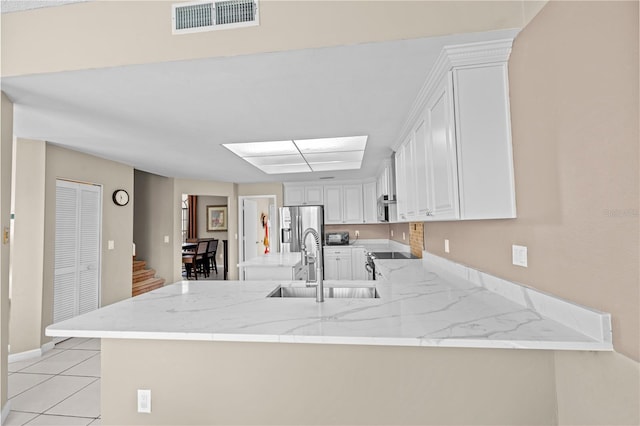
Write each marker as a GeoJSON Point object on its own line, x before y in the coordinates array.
{"type": "Point", "coordinates": [446, 246]}
{"type": "Point", "coordinates": [166, 238]}
{"type": "Point", "coordinates": [111, 245]}
{"type": "Point", "coordinates": [144, 400]}
{"type": "Point", "coordinates": [519, 255]}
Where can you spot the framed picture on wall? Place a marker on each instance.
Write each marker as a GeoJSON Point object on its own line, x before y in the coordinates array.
{"type": "Point", "coordinates": [216, 218]}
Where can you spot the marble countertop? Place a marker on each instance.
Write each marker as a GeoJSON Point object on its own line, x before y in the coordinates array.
{"type": "Point", "coordinates": [273, 260]}
{"type": "Point", "coordinates": [417, 307]}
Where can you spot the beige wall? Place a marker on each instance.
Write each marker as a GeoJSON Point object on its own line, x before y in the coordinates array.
{"type": "Point", "coordinates": [272, 188]}
{"type": "Point", "coordinates": [117, 222]}
{"type": "Point", "coordinates": [143, 30]}
{"type": "Point", "coordinates": [203, 202]}
{"type": "Point", "coordinates": [152, 221]}
{"type": "Point", "coordinates": [574, 105]}
{"type": "Point", "coordinates": [203, 188]}
{"type": "Point", "coordinates": [27, 247]}
{"type": "Point", "coordinates": [278, 383]}
{"type": "Point", "coordinates": [6, 146]}
{"type": "Point", "coordinates": [398, 230]}
{"type": "Point", "coordinates": [597, 388]}
{"type": "Point", "coordinates": [378, 231]}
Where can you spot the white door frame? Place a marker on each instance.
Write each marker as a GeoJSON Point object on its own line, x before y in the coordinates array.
{"type": "Point", "coordinates": [273, 230]}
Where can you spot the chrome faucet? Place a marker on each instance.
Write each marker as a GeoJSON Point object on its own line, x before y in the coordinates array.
{"type": "Point", "coordinates": [309, 259]}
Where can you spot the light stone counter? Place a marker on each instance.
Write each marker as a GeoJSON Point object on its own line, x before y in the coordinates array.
{"type": "Point", "coordinates": [417, 307]}
{"type": "Point", "coordinates": [273, 260]}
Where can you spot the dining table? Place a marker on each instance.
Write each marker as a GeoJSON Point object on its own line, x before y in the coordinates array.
{"type": "Point", "coordinates": [189, 247]}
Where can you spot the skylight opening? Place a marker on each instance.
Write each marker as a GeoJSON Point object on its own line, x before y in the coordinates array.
{"type": "Point", "coordinates": [303, 155]}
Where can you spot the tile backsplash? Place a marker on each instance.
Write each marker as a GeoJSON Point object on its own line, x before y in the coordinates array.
{"type": "Point", "coordinates": [416, 238]}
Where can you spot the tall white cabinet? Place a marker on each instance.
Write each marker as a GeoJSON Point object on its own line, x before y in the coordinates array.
{"type": "Point", "coordinates": [454, 160]}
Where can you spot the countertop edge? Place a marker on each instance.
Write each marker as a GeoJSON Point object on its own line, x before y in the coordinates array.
{"type": "Point", "coordinates": [338, 340]}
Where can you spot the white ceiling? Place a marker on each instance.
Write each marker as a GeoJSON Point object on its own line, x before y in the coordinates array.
{"type": "Point", "coordinates": [171, 118]}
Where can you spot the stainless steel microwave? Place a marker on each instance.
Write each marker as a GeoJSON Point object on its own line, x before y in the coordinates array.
{"type": "Point", "coordinates": [383, 208]}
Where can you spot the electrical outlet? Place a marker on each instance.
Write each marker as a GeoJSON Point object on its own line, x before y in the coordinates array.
{"type": "Point", "coordinates": [357, 233]}
{"type": "Point", "coordinates": [519, 255]}
{"type": "Point", "coordinates": [111, 245]}
{"type": "Point", "coordinates": [446, 246]}
{"type": "Point", "coordinates": [144, 400]}
{"type": "Point", "coordinates": [166, 238]}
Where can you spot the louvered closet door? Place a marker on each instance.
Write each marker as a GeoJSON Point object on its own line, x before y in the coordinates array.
{"type": "Point", "coordinates": [77, 249]}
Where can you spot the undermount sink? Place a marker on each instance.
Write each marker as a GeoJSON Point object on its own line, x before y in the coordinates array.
{"type": "Point", "coordinates": [329, 292]}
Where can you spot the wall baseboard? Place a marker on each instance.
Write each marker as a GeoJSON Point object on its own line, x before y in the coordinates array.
{"type": "Point", "coordinates": [34, 353]}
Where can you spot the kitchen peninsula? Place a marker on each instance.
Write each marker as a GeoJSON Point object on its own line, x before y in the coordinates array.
{"type": "Point", "coordinates": [228, 354]}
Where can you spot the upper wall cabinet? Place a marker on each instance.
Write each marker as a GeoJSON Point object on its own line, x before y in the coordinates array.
{"type": "Point", "coordinates": [343, 204]}
{"type": "Point", "coordinates": [455, 159]}
{"type": "Point", "coordinates": [348, 202]}
{"type": "Point", "coordinates": [299, 195]}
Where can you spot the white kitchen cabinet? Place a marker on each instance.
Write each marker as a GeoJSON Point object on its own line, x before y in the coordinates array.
{"type": "Point", "coordinates": [269, 273]}
{"type": "Point", "coordinates": [406, 184]}
{"type": "Point", "coordinates": [352, 203]}
{"type": "Point", "coordinates": [483, 137]}
{"type": "Point", "coordinates": [385, 180]}
{"type": "Point", "coordinates": [297, 195]}
{"type": "Point", "coordinates": [424, 202]}
{"type": "Point", "coordinates": [358, 261]}
{"type": "Point", "coordinates": [441, 161]}
{"type": "Point", "coordinates": [369, 203]}
{"type": "Point", "coordinates": [333, 194]}
{"type": "Point", "coordinates": [313, 194]}
{"type": "Point", "coordinates": [343, 204]}
{"type": "Point", "coordinates": [337, 263]}
{"type": "Point", "coordinates": [455, 161]}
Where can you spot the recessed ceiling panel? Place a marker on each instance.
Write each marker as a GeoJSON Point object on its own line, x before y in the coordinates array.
{"type": "Point", "coordinates": [323, 157]}
{"type": "Point", "coordinates": [288, 168]}
{"type": "Point", "coordinates": [254, 149]}
{"type": "Point", "coordinates": [329, 166]}
{"type": "Point", "coordinates": [353, 143]}
{"type": "Point", "coordinates": [271, 160]}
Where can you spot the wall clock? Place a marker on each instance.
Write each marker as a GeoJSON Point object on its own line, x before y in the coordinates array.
{"type": "Point", "coordinates": [120, 197]}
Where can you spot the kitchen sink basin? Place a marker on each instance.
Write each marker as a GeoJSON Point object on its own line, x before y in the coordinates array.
{"type": "Point", "coordinates": [329, 292]}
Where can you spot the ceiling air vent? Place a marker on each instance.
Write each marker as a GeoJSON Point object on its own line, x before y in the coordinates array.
{"type": "Point", "coordinates": [214, 15]}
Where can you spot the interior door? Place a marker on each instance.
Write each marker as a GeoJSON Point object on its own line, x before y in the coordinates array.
{"type": "Point", "coordinates": [77, 249]}
{"type": "Point", "coordinates": [249, 229]}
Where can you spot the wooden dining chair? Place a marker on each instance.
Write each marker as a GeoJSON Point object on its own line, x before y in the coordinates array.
{"type": "Point", "coordinates": [211, 254]}
{"type": "Point", "coordinates": [201, 260]}
{"type": "Point", "coordinates": [189, 262]}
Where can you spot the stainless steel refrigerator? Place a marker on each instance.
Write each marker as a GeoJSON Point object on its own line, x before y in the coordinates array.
{"type": "Point", "coordinates": [293, 222]}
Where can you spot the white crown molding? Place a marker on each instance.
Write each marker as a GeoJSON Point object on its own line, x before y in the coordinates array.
{"type": "Point", "coordinates": [454, 56]}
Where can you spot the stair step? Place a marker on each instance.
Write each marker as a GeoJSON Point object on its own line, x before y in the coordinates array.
{"type": "Point", "coordinates": [139, 265]}
{"type": "Point", "coordinates": [147, 285]}
{"type": "Point", "coordinates": [143, 275]}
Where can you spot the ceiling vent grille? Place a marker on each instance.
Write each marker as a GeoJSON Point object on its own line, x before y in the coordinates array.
{"type": "Point", "coordinates": [217, 15]}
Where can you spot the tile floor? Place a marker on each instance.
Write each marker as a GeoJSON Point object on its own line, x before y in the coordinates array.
{"type": "Point", "coordinates": [62, 387]}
